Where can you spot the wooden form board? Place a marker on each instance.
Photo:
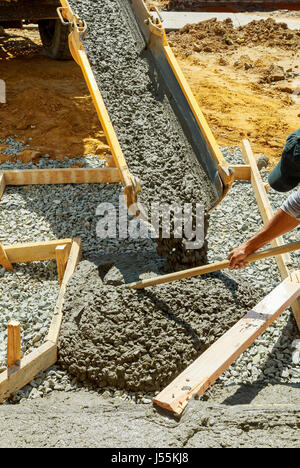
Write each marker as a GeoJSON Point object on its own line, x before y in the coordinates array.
{"type": "Point", "coordinates": [267, 214]}
{"type": "Point", "coordinates": [20, 372]}
{"type": "Point", "coordinates": [212, 363]}
{"type": "Point", "coordinates": [18, 376]}
{"type": "Point", "coordinates": [58, 176]}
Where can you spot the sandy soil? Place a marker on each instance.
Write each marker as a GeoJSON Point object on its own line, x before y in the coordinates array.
{"type": "Point", "coordinates": [48, 103]}
{"type": "Point", "coordinates": [244, 89]}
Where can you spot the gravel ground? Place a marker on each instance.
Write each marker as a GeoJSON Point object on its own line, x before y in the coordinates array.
{"type": "Point", "coordinates": [48, 212]}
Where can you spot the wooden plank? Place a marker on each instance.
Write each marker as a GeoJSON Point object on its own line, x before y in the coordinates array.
{"type": "Point", "coordinates": [62, 255]}
{"type": "Point", "coordinates": [212, 363]}
{"type": "Point", "coordinates": [4, 260]}
{"type": "Point", "coordinates": [241, 172]}
{"type": "Point", "coordinates": [61, 176]}
{"type": "Point", "coordinates": [267, 214]}
{"type": "Point", "coordinates": [13, 343]}
{"type": "Point", "coordinates": [2, 184]}
{"type": "Point", "coordinates": [18, 376]}
{"type": "Point", "coordinates": [258, 187]}
{"type": "Point", "coordinates": [217, 266]}
{"type": "Point", "coordinates": [74, 257]}
{"type": "Point", "coordinates": [34, 251]}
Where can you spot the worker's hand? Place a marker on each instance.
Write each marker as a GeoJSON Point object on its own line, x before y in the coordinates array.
{"type": "Point", "coordinates": [237, 258]}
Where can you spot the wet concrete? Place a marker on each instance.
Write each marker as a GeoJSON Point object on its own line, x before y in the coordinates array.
{"type": "Point", "coordinates": [141, 340]}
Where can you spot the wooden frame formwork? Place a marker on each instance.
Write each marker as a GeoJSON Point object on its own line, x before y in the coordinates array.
{"type": "Point", "coordinates": [20, 371]}
{"type": "Point", "coordinates": [203, 372]}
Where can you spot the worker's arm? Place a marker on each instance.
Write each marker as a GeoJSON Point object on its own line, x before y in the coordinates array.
{"type": "Point", "coordinates": [280, 224]}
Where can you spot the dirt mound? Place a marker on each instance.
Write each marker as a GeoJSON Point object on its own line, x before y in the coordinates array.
{"type": "Point", "coordinates": [215, 36]}
{"type": "Point", "coordinates": [140, 340]}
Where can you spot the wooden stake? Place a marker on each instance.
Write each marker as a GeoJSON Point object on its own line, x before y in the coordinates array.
{"type": "Point", "coordinates": [62, 255]}
{"type": "Point", "coordinates": [110, 162]}
{"type": "Point", "coordinates": [241, 172]}
{"type": "Point", "coordinates": [203, 270]}
{"type": "Point", "coordinates": [4, 261]}
{"type": "Point", "coordinates": [13, 343]}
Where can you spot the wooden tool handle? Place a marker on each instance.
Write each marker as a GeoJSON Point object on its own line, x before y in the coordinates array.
{"type": "Point", "coordinates": [202, 270]}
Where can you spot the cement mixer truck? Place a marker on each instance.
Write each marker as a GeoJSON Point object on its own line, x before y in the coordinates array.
{"type": "Point", "coordinates": [54, 34]}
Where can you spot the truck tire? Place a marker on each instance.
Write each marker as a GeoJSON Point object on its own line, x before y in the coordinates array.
{"type": "Point", "coordinates": [54, 37]}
